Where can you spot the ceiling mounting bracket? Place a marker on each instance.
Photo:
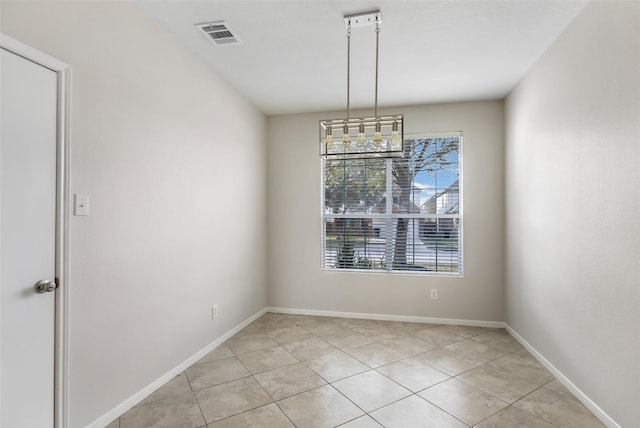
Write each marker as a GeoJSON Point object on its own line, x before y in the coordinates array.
{"type": "Point", "coordinates": [363, 19]}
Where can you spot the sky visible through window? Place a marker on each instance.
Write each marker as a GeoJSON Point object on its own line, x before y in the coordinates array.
{"type": "Point", "coordinates": [435, 181]}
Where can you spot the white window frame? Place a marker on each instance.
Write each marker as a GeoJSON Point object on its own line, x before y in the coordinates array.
{"type": "Point", "coordinates": [390, 219]}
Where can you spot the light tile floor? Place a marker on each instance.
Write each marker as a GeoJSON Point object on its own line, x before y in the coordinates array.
{"type": "Point", "coordinates": [306, 371]}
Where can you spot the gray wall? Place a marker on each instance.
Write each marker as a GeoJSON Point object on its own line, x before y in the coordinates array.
{"type": "Point", "coordinates": [294, 276]}
{"type": "Point", "coordinates": [174, 162]}
{"type": "Point", "coordinates": [573, 206]}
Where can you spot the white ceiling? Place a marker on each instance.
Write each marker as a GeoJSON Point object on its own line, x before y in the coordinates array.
{"type": "Point", "coordinates": [293, 55]}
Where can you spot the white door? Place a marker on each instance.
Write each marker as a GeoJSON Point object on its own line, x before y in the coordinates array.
{"type": "Point", "coordinates": [28, 241]}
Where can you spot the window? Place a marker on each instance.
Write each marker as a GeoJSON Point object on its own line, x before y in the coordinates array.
{"type": "Point", "coordinates": [396, 214]}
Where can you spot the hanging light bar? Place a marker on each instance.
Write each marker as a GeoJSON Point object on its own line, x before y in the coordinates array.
{"type": "Point", "coordinates": [377, 136]}
{"type": "Point", "coordinates": [382, 137]}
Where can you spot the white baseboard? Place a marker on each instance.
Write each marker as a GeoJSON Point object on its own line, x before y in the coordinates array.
{"type": "Point", "coordinates": [146, 391]}
{"type": "Point", "coordinates": [385, 317]}
{"type": "Point", "coordinates": [584, 399]}
{"type": "Point", "coordinates": [123, 407]}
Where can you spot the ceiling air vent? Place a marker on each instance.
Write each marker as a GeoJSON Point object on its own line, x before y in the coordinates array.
{"type": "Point", "coordinates": [219, 33]}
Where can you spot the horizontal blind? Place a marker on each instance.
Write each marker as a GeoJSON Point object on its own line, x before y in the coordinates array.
{"type": "Point", "coordinates": [400, 214]}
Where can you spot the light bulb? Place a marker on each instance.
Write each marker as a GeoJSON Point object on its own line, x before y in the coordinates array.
{"type": "Point", "coordinates": [361, 137]}
{"type": "Point", "coordinates": [395, 137]}
{"type": "Point", "coordinates": [329, 140]}
{"type": "Point", "coordinates": [377, 137]}
{"type": "Point", "coordinates": [346, 140]}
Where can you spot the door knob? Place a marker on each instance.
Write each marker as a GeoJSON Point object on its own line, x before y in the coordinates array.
{"type": "Point", "coordinates": [45, 286]}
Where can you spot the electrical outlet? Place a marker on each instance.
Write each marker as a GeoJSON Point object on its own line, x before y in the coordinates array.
{"type": "Point", "coordinates": [214, 311]}
{"type": "Point", "coordinates": [434, 294]}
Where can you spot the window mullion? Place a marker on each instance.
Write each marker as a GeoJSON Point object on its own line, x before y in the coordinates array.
{"type": "Point", "coordinates": [388, 234]}
{"type": "Point", "coordinates": [366, 206]}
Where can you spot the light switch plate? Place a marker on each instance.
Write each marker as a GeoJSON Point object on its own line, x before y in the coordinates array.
{"type": "Point", "coordinates": [81, 207]}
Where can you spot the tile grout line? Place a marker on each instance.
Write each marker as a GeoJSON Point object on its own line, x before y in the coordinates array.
{"type": "Point", "coordinates": [193, 393]}
{"type": "Point", "coordinates": [407, 357]}
{"type": "Point", "coordinates": [275, 323]}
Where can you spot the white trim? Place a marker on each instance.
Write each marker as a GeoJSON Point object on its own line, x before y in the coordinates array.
{"type": "Point", "coordinates": [461, 201]}
{"type": "Point", "coordinates": [61, 351]}
{"type": "Point", "coordinates": [389, 216]}
{"type": "Point", "coordinates": [388, 317]}
{"type": "Point", "coordinates": [584, 399]}
{"type": "Point", "coordinates": [123, 407]}
{"type": "Point", "coordinates": [62, 259]}
{"type": "Point", "coordinates": [32, 54]}
{"type": "Point", "coordinates": [414, 273]}
{"type": "Point", "coordinates": [146, 391]}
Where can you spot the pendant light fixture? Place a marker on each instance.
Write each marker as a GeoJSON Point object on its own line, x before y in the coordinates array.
{"type": "Point", "coordinates": [376, 136]}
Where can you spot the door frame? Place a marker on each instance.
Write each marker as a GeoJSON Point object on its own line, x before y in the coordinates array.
{"type": "Point", "coordinates": [61, 346]}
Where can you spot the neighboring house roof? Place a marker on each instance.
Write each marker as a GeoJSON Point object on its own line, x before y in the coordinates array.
{"type": "Point", "coordinates": [430, 206]}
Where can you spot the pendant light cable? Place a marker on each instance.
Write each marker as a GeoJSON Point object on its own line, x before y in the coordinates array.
{"type": "Point", "coordinates": [348, 66]}
{"type": "Point", "coordinates": [386, 140]}
{"type": "Point", "coordinates": [377, 41]}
